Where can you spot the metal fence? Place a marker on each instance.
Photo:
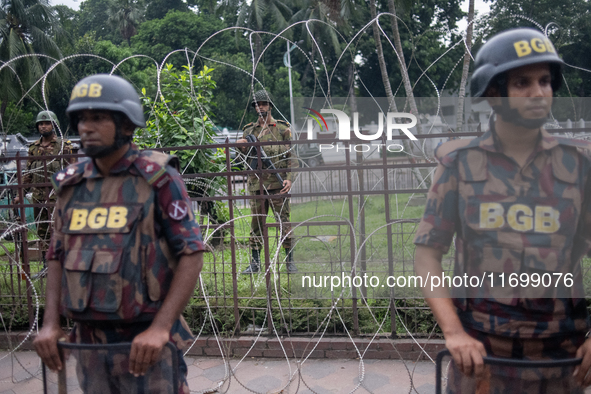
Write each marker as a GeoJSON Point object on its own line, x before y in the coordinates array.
{"type": "Point", "coordinates": [354, 218]}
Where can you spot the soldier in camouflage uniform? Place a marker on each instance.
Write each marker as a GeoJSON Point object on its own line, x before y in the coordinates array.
{"type": "Point", "coordinates": [41, 170]}
{"type": "Point", "coordinates": [268, 129]}
{"type": "Point", "coordinates": [516, 199]}
{"type": "Point", "coordinates": [126, 252]}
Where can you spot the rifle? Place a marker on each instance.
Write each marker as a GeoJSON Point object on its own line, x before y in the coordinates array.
{"type": "Point", "coordinates": [264, 158]}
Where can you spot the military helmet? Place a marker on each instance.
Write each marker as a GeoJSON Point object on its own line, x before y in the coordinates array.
{"type": "Point", "coordinates": [46, 116]}
{"type": "Point", "coordinates": [106, 92]}
{"type": "Point", "coordinates": [512, 49]}
{"type": "Point", "coordinates": [262, 95]}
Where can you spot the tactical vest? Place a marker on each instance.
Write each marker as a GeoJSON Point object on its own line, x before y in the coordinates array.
{"type": "Point", "coordinates": [535, 230]}
{"type": "Point", "coordinates": [115, 265]}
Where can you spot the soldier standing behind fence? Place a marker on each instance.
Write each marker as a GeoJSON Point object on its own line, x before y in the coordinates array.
{"type": "Point", "coordinates": [41, 170]}
{"type": "Point", "coordinates": [265, 129]}
{"type": "Point", "coordinates": [126, 252]}
{"type": "Point", "coordinates": [517, 201]}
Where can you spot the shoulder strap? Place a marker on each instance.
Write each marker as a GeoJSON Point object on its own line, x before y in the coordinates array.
{"type": "Point", "coordinates": [152, 166]}
{"type": "Point", "coordinates": [69, 175]}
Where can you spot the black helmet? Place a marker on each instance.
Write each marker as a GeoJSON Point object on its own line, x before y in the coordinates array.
{"type": "Point", "coordinates": [512, 49]}
{"type": "Point", "coordinates": [262, 95]}
{"type": "Point", "coordinates": [106, 92]}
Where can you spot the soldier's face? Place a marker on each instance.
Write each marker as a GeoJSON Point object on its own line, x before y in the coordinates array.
{"type": "Point", "coordinates": [96, 128]}
{"type": "Point", "coordinates": [530, 90]}
{"type": "Point", "coordinates": [262, 108]}
{"type": "Point", "coordinates": [45, 128]}
{"type": "Point", "coordinates": [99, 134]}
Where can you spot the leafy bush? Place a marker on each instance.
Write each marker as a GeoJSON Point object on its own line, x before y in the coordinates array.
{"type": "Point", "coordinates": [179, 117]}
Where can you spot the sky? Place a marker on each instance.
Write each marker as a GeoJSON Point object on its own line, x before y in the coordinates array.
{"type": "Point", "coordinates": [73, 4]}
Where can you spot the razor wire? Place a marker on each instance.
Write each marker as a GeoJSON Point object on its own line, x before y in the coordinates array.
{"type": "Point", "coordinates": [207, 291]}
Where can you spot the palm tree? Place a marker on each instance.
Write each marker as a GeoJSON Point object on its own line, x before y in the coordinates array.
{"type": "Point", "coordinates": [422, 176]}
{"type": "Point", "coordinates": [26, 27]}
{"type": "Point", "coordinates": [385, 79]}
{"type": "Point", "coordinates": [125, 16]}
{"type": "Point", "coordinates": [321, 35]}
{"type": "Point", "coordinates": [465, 68]}
{"type": "Point", "coordinates": [251, 15]}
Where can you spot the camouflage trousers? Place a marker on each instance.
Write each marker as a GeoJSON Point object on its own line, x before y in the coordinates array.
{"type": "Point", "coordinates": [42, 215]}
{"type": "Point", "coordinates": [508, 380]}
{"type": "Point", "coordinates": [105, 372]}
{"type": "Point", "coordinates": [259, 208]}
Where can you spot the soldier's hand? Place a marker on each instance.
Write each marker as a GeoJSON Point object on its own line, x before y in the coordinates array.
{"type": "Point", "coordinates": [146, 348]}
{"type": "Point", "coordinates": [242, 141]}
{"type": "Point", "coordinates": [467, 353]}
{"type": "Point", "coordinates": [46, 346]}
{"type": "Point", "coordinates": [582, 374]}
{"type": "Point", "coordinates": [17, 200]}
{"type": "Point", "coordinates": [286, 186]}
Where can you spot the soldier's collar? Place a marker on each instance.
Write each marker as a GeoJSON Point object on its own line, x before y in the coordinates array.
{"type": "Point", "coordinates": [489, 141]}
{"type": "Point", "coordinates": [53, 139]}
{"type": "Point", "coordinates": [91, 170]}
{"type": "Point", "coordinates": [271, 123]}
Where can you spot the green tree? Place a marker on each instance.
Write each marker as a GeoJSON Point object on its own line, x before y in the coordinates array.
{"type": "Point", "coordinates": [91, 18]}
{"type": "Point", "coordinates": [177, 30]}
{"type": "Point", "coordinates": [27, 27]}
{"type": "Point", "coordinates": [157, 9]}
{"type": "Point", "coordinates": [125, 16]}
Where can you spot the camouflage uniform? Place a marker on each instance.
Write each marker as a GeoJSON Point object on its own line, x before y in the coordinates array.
{"type": "Point", "coordinates": [282, 156]}
{"type": "Point", "coordinates": [514, 220]}
{"type": "Point", "coordinates": [520, 380]}
{"type": "Point", "coordinates": [119, 239]}
{"type": "Point", "coordinates": [36, 174]}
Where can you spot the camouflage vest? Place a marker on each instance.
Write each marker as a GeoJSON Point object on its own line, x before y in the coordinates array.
{"type": "Point", "coordinates": [532, 226]}
{"type": "Point", "coordinates": [115, 267]}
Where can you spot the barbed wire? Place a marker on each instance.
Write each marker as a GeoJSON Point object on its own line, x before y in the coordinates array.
{"type": "Point", "coordinates": [258, 283]}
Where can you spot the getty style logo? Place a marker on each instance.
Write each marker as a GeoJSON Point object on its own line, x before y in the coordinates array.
{"type": "Point", "coordinates": [344, 131]}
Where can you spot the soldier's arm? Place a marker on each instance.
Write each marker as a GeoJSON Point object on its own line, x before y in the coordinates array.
{"type": "Point", "coordinates": [184, 238]}
{"type": "Point", "coordinates": [433, 239]}
{"type": "Point", "coordinates": [293, 161]}
{"type": "Point", "coordinates": [243, 140]}
{"type": "Point", "coordinates": [581, 373]}
{"type": "Point", "coordinates": [46, 341]}
{"type": "Point", "coordinates": [146, 347]}
{"type": "Point", "coordinates": [466, 351]}
{"type": "Point", "coordinates": [67, 150]}
{"type": "Point", "coordinates": [26, 179]}
{"type": "Point", "coordinates": [28, 176]}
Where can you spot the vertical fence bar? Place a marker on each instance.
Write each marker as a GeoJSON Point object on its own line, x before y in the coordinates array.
{"type": "Point", "coordinates": [232, 242]}
{"type": "Point", "coordinates": [24, 240]}
{"type": "Point", "coordinates": [389, 236]}
{"type": "Point", "coordinates": [361, 210]}
{"type": "Point", "coordinates": [352, 245]}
